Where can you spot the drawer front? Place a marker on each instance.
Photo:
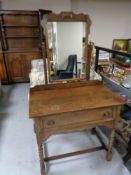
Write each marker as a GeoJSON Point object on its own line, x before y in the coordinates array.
{"type": "Point", "coordinates": [79, 117]}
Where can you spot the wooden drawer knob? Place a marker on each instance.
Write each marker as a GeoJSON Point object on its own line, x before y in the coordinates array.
{"type": "Point", "coordinates": [51, 122]}
{"type": "Point", "coordinates": [106, 114]}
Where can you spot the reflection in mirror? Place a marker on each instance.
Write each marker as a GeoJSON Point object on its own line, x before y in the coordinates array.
{"type": "Point", "coordinates": [66, 42]}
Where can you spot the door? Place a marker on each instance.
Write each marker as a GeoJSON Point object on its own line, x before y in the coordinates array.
{"type": "Point", "coordinates": [15, 66]}
{"type": "Point", "coordinates": [19, 65]}
{"type": "Point", "coordinates": [3, 74]}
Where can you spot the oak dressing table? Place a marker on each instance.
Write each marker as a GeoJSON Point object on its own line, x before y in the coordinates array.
{"type": "Point", "coordinates": [75, 106]}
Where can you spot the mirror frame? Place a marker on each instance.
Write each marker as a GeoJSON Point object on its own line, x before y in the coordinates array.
{"type": "Point", "coordinates": [69, 17]}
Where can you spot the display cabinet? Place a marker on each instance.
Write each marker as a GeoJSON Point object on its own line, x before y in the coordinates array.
{"type": "Point", "coordinates": [119, 68]}
{"type": "Point", "coordinates": [117, 77]}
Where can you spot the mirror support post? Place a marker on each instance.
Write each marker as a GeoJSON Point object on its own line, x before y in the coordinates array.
{"type": "Point", "coordinates": [42, 17]}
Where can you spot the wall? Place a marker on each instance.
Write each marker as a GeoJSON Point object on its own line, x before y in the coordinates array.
{"type": "Point", "coordinates": [110, 19]}
{"type": "Point", "coordinates": [128, 28]}
{"type": "Point", "coordinates": [0, 5]}
{"type": "Point", "coordinates": [69, 41]}
{"type": "Point", "coordinates": [55, 5]}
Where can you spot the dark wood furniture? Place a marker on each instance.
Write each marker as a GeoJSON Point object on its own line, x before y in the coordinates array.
{"type": "Point", "coordinates": [74, 106]}
{"type": "Point", "coordinates": [21, 40]}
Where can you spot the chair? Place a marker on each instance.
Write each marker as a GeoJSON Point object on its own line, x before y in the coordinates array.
{"type": "Point", "coordinates": [68, 72]}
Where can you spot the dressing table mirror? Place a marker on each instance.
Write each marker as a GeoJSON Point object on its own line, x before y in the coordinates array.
{"type": "Point", "coordinates": [66, 43]}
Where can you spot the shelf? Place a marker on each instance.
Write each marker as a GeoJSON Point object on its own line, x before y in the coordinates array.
{"type": "Point", "coordinates": [21, 37]}
{"type": "Point", "coordinates": [119, 63]}
{"type": "Point", "coordinates": [18, 12]}
{"type": "Point", "coordinates": [26, 26]}
{"type": "Point", "coordinates": [116, 87]}
{"type": "Point", "coordinates": [103, 63]}
{"type": "Point", "coordinates": [24, 50]}
{"type": "Point", "coordinates": [20, 44]}
{"type": "Point", "coordinates": [122, 65]}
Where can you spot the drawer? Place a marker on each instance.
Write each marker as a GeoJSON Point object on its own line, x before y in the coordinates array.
{"type": "Point", "coordinates": [79, 117]}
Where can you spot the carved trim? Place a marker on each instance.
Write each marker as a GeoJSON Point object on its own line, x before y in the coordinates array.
{"type": "Point", "coordinates": [70, 16]}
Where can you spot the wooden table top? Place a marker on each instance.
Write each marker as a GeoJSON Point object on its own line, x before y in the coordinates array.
{"type": "Point", "coordinates": [56, 101]}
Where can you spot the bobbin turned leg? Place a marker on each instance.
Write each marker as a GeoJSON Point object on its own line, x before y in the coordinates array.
{"type": "Point", "coordinates": [111, 140]}
{"type": "Point", "coordinates": [41, 157]}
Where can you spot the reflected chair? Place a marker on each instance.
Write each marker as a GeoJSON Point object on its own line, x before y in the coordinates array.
{"type": "Point", "coordinates": [69, 71]}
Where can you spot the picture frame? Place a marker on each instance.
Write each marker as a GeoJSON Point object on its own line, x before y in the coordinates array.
{"type": "Point", "coordinates": [120, 45]}
{"type": "Point", "coordinates": [129, 45]}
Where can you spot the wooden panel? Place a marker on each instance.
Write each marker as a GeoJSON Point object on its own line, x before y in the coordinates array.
{"type": "Point", "coordinates": [23, 43]}
{"type": "Point", "coordinates": [29, 57]}
{"type": "Point", "coordinates": [23, 31]}
{"type": "Point", "coordinates": [70, 84]}
{"type": "Point", "coordinates": [18, 65]}
{"type": "Point", "coordinates": [19, 12]}
{"type": "Point", "coordinates": [78, 117]}
{"type": "Point", "coordinates": [56, 101]}
{"type": "Point", "coordinates": [45, 133]}
{"type": "Point", "coordinates": [20, 20]}
{"type": "Point", "coordinates": [0, 45]}
{"type": "Point", "coordinates": [3, 75]}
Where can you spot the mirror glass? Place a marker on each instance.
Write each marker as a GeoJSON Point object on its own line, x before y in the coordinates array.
{"type": "Point", "coordinates": [66, 42]}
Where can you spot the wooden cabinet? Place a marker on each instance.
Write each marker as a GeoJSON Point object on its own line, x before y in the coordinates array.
{"type": "Point", "coordinates": [19, 65]}
{"type": "Point", "coordinates": [3, 73]}
{"type": "Point", "coordinates": [20, 42]}
{"type": "Point", "coordinates": [15, 67]}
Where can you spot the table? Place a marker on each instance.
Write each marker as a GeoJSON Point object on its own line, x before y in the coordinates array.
{"type": "Point", "coordinates": [74, 106]}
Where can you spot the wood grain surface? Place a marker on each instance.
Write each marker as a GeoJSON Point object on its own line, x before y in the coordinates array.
{"type": "Point", "coordinates": [56, 101]}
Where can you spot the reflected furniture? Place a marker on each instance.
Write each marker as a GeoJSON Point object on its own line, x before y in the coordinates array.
{"type": "Point", "coordinates": [75, 106]}
{"type": "Point", "coordinates": [62, 39]}
{"type": "Point", "coordinates": [69, 71]}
